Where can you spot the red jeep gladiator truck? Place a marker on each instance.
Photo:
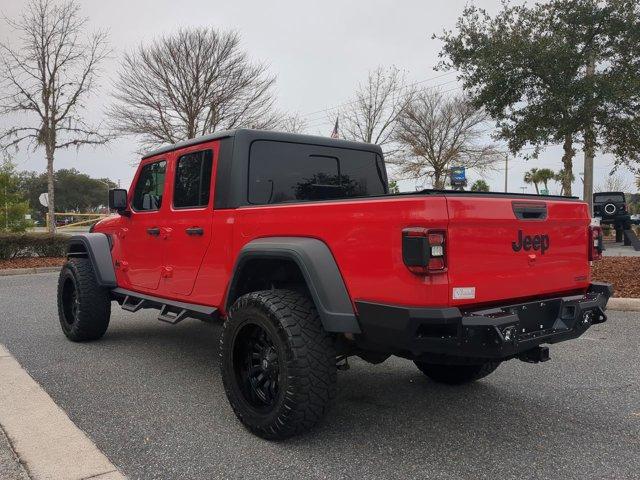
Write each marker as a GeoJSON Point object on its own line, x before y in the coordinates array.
{"type": "Point", "coordinates": [295, 243]}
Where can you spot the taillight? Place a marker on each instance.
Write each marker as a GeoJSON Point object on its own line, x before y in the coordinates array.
{"type": "Point", "coordinates": [595, 243]}
{"type": "Point", "coordinates": [424, 250]}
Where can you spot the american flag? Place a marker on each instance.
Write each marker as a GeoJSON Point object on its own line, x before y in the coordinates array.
{"type": "Point", "coordinates": [334, 134]}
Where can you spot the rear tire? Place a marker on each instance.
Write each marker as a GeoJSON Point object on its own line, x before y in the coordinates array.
{"type": "Point", "coordinates": [278, 364]}
{"type": "Point", "coordinates": [84, 308]}
{"type": "Point", "coordinates": [456, 374]}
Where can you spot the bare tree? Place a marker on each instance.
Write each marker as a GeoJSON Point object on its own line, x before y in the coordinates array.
{"type": "Point", "coordinates": [614, 183]}
{"type": "Point", "coordinates": [292, 123]}
{"type": "Point", "coordinates": [439, 132]}
{"type": "Point", "coordinates": [372, 116]}
{"type": "Point", "coordinates": [191, 83]}
{"type": "Point", "coordinates": [46, 77]}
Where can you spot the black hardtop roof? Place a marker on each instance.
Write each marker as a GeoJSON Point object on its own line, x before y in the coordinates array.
{"type": "Point", "coordinates": [608, 193]}
{"type": "Point", "coordinates": [248, 135]}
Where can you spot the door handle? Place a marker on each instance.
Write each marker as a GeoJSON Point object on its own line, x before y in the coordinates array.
{"type": "Point", "coordinates": [155, 231]}
{"type": "Point", "coordinates": [195, 231]}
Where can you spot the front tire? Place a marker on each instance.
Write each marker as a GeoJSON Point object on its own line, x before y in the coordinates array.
{"type": "Point", "coordinates": [84, 308]}
{"type": "Point", "coordinates": [456, 374]}
{"type": "Point", "coordinates": [278, 364]}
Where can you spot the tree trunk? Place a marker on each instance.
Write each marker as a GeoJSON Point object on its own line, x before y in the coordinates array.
{"type": "Point", "coordinates": [535, 184]}
{"type": "Point", "coordinates": [438, 182]}
{"type": "Point", "coordinates": [50, 190]}
{"type": "Point", "coordinates": [567, 164]}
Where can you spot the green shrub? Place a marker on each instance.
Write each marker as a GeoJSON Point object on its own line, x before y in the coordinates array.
{"type": "Point", "coordinates": [14, 245]}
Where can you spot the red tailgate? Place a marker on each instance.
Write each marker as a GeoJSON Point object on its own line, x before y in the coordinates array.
{"type": "Point", "coordinates": [502, 248]}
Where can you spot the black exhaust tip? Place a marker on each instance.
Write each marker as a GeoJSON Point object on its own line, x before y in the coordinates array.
{"type": "Point", "coordinates": [535, 355]}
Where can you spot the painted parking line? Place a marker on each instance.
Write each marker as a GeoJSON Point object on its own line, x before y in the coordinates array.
{"type": "Point", "coordinates": [47, 442]}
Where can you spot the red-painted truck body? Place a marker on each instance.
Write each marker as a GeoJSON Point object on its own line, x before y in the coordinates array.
{"type": "Point", "coordinates": [364, 236]}
{"type": "Point", "coordinates": [232, 222]}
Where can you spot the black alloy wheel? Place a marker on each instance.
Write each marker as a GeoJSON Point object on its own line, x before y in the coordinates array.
{"type": "Point", "coordinates": [277, 362]}
{"type": "Point", "coordinates": [84, 307]}
{"type": "Point", "coordinates": [70, 301]}
{"type": "Point", "coordinates": [256, 366]}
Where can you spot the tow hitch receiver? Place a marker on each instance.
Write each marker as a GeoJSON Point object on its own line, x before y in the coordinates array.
{"type": "Point", "coordinates": [535, 355]}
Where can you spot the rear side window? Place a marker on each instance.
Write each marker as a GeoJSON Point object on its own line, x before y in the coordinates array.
{"type": "Point", "coordinates": [147, 195]}
{"type": "Point", "coordinates": [193, 180]}
{"type": "Point", "coordinates": [609, 197]}
{"type": "Point", "coordinates": [292, 172]}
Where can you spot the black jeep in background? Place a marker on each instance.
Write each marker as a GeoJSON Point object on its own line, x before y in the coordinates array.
{"type": "Point", "coordinates": [611, 207]}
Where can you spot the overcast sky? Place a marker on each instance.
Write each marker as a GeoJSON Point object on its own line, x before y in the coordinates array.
{"type": "Point", "coordinates": [319, 50]}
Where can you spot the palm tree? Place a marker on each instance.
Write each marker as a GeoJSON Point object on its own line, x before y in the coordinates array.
{"type": "Point", "coordinates": [480, 186]}
{"type": "Point", "coordinates": [531, 177]}
{"type": "Point", "coordinates": [558, 177]}
{"type": "Point", "coordinates": [544, 175]}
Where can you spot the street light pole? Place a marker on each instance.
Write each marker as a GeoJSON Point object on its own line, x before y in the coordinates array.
{"type": "Point", "coordinates": [108, 188]}
{"type": "Point", "coordinates": [506, 171]}
{"type": "Point", "coordinates": [589, 145]}
{"type": "Point", "coordinates": [6, 209]}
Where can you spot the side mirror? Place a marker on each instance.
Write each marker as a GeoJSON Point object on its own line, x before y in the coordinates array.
{"type": "Point", "coordinates": [118, 199]}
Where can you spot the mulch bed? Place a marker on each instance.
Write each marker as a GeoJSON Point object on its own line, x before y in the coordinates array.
{"type": "Point", "coordinates": [622, 272]}
{"type": "Point", "coordinates": [32, 262]}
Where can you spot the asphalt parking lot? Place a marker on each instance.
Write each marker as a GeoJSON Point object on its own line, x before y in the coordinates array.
{"type": "Point", "coordinates": [151, 398]}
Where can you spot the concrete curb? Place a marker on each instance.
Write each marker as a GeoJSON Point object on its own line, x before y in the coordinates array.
{"type": "Point", "coordinates": [41, 433]}
{"type": "Point", "coordinates": [10, 466]}
{"type": "Point", "coordinates": [4, 272]}
{"type": "Point", "coordinates": [624, 304]}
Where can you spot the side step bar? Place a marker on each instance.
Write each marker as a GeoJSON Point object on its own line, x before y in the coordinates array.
{"type": "Point", "coordinates": [171, 311]}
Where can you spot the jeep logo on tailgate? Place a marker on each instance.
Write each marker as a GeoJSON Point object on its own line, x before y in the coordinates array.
{"type": "Point", "coordinates": [528, 242]}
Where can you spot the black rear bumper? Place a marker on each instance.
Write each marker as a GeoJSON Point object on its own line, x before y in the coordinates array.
{"type": "Point", "coordinates": [501, 332]}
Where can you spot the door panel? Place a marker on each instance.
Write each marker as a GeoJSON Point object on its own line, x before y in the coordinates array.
{"type": "Point", "coordinates": [190, 216]}
{"type": "Point", "coordinates": [141, 236]}
{"type": "Point", "coordinates": [143, 251]}
{"type": "Point", "coordinates": [186, 249]}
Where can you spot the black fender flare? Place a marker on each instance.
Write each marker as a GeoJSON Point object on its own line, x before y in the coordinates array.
{"type": "Point", "coordinates": [319, 270]}
{"type": "Point", "coordinates": [96, 247]}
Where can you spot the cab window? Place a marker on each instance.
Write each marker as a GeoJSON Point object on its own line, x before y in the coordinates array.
{"type": "Point", "coordinates": [193, 180]}
{"type": "Point", "coordinates": [149, 189]}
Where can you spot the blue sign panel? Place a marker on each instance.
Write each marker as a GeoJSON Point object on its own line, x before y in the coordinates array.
{"type": "Point", "coordinates": [458, 175]}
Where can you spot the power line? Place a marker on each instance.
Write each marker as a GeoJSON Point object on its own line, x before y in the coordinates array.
{"type": "Point", "coordinates": [315, 123]}
{"type": "Point", "coordinates": [402, 87]}
{"type": "Point", "coordinates": [318, 122]}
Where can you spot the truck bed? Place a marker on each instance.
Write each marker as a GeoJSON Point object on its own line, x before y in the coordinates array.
{"type": "Point", "coordinates": [481, 228]}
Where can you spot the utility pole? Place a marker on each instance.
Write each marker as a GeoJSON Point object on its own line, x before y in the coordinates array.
{"type": "Point", "coordinates": [6, 209]}
{"type": "Point", "coordinates": [589, 145]}
{"type": "Point", "coordinates": [506, 171]}
{"type": "Point", "coordinates": [108, 189]}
